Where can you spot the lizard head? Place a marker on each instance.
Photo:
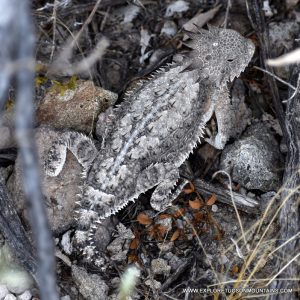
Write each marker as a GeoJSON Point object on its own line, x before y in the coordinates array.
{"type": "Point", "coordinates": [220, 55]}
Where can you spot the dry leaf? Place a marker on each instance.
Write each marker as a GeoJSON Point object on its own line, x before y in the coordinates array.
{"type": "Point", "coordinates": [134, 244]}
{"type": "Point", "coordinates": [132, 258]}
{"type": "Point", "coordinates": [179, 213]}
{"type": "Point", "coordinates": [235, 269]}
{"type": "Point", "coordinates": [161, 229]}
{"type": "Point", "coordinates": [177, 6]}
{"type": "Point", "coordinates": [198, 216]}
{"type": "Point", "coordinates": [211, 200]}
{"type": "Point", "coordinates": [200, 19]}
{"type": "Point", "coordinates": [195, 204]}
{"type": "Point", "coordinates": [164, 216]}
{"type": "Point", "coordinates": [143, 219]}
{"type": "Point", "coordinates": [175, 235]}
{"type": "Point", "coordinates": [190, 189]}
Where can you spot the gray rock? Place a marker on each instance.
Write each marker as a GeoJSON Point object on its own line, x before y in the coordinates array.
{"type": "Point", "coordinates": [169, 29]}
{"type": "Point", "coordinates": [119, 247]}
{"type": "Point", "coordinates": [75, 108]}
{"type": "Point", "coordinates": [91, 286]}
{"type": "Point", "coordinates": [6, 129]}
{"type": "Point", "coordinates": [101, 238]}
{"type": "Point", "coordinates": [160, 266]}
{"type": "Point", "coordinates": [66, 242]}
{"type": "Point", "coordinates": [282, 36]}
{"type": "Point", "coordinates": [60, 192]}
{"type": "Point", "coordinates": [167, 223]}
{"type": "Point", "coordinates": [67, 297]}
{"type": "Point", "coordinates": [7, 139]}
{"type": "Point", "coordinates": [10, 297]}
{"type": "Point", "coordinates": [254, 161]}
{"type": "Point", "coordinates": [12, 275]}
{"type": "Point", "coordinates": [3, 291]}
{"type": "Point", "coordinates": [25, 296]}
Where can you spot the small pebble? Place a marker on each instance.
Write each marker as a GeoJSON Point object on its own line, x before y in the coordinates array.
{"type": "Point", "coordinates": [3, 291]}
{"type": "Point", "coordinates": [214, 208]}
{"type": "Point", "coordinates": [10, 297]}
{"type": "Point", "coordinates": [160, 266]}
{"type": "Point", "coordinates": [25, 296]}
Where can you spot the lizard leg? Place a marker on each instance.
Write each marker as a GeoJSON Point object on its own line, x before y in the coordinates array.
{"type": "Point", "coordinates": [167, 191]}
{"type": "Point", "coordinates": [224, 113]}
{"type": "Point", "coordinates": [104, 123]}
{"type": "Point", "coordinates": [80, 145]}
{"type": "Point", "coordinates": [165, 176]}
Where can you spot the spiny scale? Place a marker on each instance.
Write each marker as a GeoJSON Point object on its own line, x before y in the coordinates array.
{"type": "Point", "coordinates": [155, 128]}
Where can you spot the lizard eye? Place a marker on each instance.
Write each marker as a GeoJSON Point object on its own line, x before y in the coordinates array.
{"type": "Point", "coordinates": [230, 60]}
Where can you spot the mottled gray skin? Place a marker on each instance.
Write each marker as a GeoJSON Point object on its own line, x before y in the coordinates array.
{"type": "Point", "coordinates": [154, 130]}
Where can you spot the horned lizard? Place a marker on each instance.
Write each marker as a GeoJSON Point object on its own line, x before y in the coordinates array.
{"type": "Point", "coordinates": [153, 131]}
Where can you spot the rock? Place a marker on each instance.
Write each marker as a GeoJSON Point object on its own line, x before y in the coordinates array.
{"type": "Point", "coordinates": [66, 242]}
{"type": "Point", "coordinates": [166, 223]}
{"type": "Point", "coordinates": [25, 296]}
{"type": "Point", "coordinates": [10, 297]}
{"type": "Point", "coordinates": [174, 261]}
{"type": "Point", "coordinates": [153, 284]}
{"type": "Point", "coordinates": [160, 266]}
{"type": "Point", "coordinates": [5, 173]}
{"type": "Point", "coordinates": [76, 108]}
{"type": "Point", "coordinates": [7, 121]}
{"type": "Point", "coordinates": [7, 139]}
{"type": "Point", "coordinates": [60, 192]}
{"type": "Point", "coordinates": [169, 29]}
{"type": "Point", "coordinates": [67, 297]}
{"type": "Point", "coordinates": [3, 291]}
{"type": "Point", "coordinates": [254, 161]}
{"type": "Point", "coordinates": [91, 286]}
{"type": "Point", "coordinates": [165, 246]}
{"type": "Point", "coordinates": [282, 35]}
{"type": "Point", "coordinates": [103, 233]}
{"type": "Point", "coordinates": [214, 208]}
{"type": "Point", "coordinates": [12, 275]}
{"type": "Point", "coordinates": [119, 247]}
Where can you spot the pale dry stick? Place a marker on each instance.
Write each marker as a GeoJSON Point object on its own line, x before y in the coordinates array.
{"type": "Point", "coordinates": [282, 269]}
{"type": "Point", "coordinates": [227, 13]}
{"type": "Point", "coordinates": [254, 252]}
{"type": "Point", "coordinates": [54, 15]}
{"type": "Point", "coordinates": [276, 77]}
{"type": "Point", "coordinates": [59, 21]}
{"type": "Point", "coordinates": [286, 242]}
{"type": "Point", "coordinates": [262, 258]}
{"type": "Point", "coordinates": [296, 89]}
{"type": "Point", "coordinates": [295, 92]}
{"type": "Point", "coordinates": [259, 223]}
{"type": "Point", "coordinates": [66, 53]}
{"type": "Point", "coordinates": [201, 245]}
{"type": "Point", "coordinates": [240, 238]}
{"type": "Point", "coordinates": [85, 63]}
{"type": "Point", "coordinates": [233, 203]}
{"type": "Point", "coordinates": [104, 19]}
{"type": "Point", "coordinates": [165, 238]}
{"type": "Point", "coordinates": [86, 23]}
{"type": "Point", "coordinates": [292, 57]}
